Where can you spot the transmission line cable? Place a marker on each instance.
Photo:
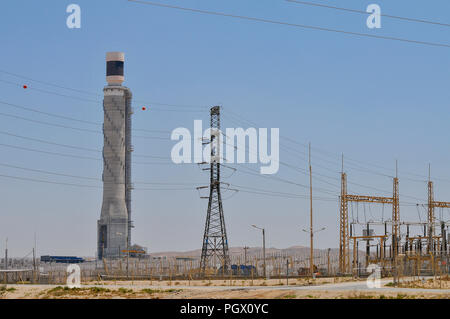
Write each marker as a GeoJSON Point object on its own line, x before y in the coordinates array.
{"type": "Point", "coordinates": [314, 4]}
{"type": "Point", "coordinates": [195, 109]}
{"type": "Point", "coordinates": [303, 26]}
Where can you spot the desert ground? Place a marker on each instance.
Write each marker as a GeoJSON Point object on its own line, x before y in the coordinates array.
{"type": "Point", "coordinates": [330, 288]}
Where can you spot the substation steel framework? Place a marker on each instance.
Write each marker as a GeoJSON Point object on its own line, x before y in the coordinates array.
{"type": "Point", "coordinates": [215, 242]}
{"type": "Point", "coordinates": [432, 204]}
{"type": "Point", "coordinates": [344, 240]}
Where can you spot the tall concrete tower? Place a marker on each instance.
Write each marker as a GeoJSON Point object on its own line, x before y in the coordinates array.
{"type": "Point", "coordinates": [114, 226]}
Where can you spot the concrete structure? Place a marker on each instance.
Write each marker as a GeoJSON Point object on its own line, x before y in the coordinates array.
{"type": "Point", "coordinates": [115, 224]}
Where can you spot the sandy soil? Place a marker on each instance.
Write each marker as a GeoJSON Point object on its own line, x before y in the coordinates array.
{"type": "Point", "coordinates": [270, 289]}
{"type": "Point", "coordinates": [233, 282]}
{"type": "Point", "coordinates": [430, 283]}
{"type": "Point", "coordinates": [310, 294]}
{"type": "Point", "coordinates": [30, 292]}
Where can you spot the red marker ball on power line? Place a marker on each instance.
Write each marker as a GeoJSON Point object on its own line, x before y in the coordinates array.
{"type": "Point", "coordinates": [144, 108]}
{"type": "Point", "coordinates": [25, 86]}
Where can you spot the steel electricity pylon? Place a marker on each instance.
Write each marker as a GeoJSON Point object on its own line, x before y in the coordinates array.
{"type": "Point", "coordinates": [433, 240]}
{"type": "Point", "coordinates": [215, 242]}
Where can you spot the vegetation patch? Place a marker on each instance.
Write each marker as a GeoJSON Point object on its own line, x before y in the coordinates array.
{"type": "Point", "coordinates": [66, 292]}
{"type": "Point", "coordinates": [5, 289]}
{"type": "Point", "coordinates": [149, 291]}
{"type": "Point", "coordinates": [432, 283]}
{"type": "Point", "coordinates": [361, 296]}
{"type": "Point", "coordinates": [125, 291]}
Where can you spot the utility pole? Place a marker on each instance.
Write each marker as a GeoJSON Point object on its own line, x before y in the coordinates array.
{"type": "Point", "coordinates": [34, 253]}
{"type": "Point", "coordinates": [430, 212]}
{"type": "Point", "coordinates": [395, 223]}
{"type": "Point", "coordinates": [328, 260]}
{"type": "Point", "coordinates": [287, 272]}
{"type": "Point", "coordinates": [6, 254]}
{"type": "Point", "coordinates": [367, 244]}
{"type": "Point", "coordinates": [264, 251]}
{"type": "Point", "coordinates": [264, 248]}
{"type": "Point", "coordinates": [128, 262]}
{"type": "Point", "coordinates": [34, 266]}
{"type": "Point", "coordinates": [311, 263]}
{"type": "Point", "coordinates": [245, 255]}
{"type": "Point", "coordinates": [128, 253]}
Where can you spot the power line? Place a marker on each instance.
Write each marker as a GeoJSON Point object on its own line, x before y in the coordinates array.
{"type": "Point", "coordinates": [50, 143]}
{"type": "Point", "coordinates": [29, 109]}
{"type": "Point", "coordinates": [303, 171]}
{"type": "Point", "coordinates": [138, 189]}
{"type": "Point", "coordinates": [84, 157]}
{"type": "Point", "coordinates": [138, 182]}
{"type": "Point", "coordinates": [97, 102]}
{"type": "Point", "coordinates": [236, 116]}
{"type": "Point", "coordinates": [81, 129]}
{"type": "Point", "coordinates": [81, 185]}
{"type": "Point", "coordinates": [165, 183]}
{"type": "Point", "coordinates": [256, 190]}
{"type": "Point", "coordinates": [34, 110]}
{"type": "Point", "coordinates": [166, 189]}
{"type": "Point", "coordinates": [269, 194]}
{"type": "Point", "coordinates": [247, 170]}
{"type": "Point", "coordinates": [240, 187]}
{"type": "Point", "coordinates": [352, 166]}
{"type": "Point", "coordinates": [243, 120]}
{"type": "Point", "coordinates": [49, 84]}
{"type": "Point", "coordinates": [85, 177]}
{"type": "Point", "coordinates": [52, 92]}
{"type": "Point", "coordinates": [200, 108]}
{"type": "Point", "coordinates": [50, 153]}
{"type": "Point", "coordinates": [76, 128]}
{"type": "Point", "coordinates": [307, 3]}
{"type": "Point", "coordinates": [303, 26]}
{"type": "Point", "coordinates": [282, 163]}
{"type": "Point", "coordinates": [325, 176]}
{"type": "Point", "coordinates": [66, 146]}
{"type": "Point", "coordinates": [148, 137]}
{"type": "Point", "coordinates": [47, 182]}
{"type": "Point", "coordinates": [162, 163]}
{"type": "Point", "coordinates": [152, 163]}
{"type": "Point", "coordinates": [49, 172]}
{"type": "Point", "coordinates": [49, 124]}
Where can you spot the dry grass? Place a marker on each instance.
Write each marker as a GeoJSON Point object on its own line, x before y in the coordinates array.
{"type": "Point", "coordinates": [432, 283]}
{"type": "Point", "coordinates": [4, 289]}
{"type": "Point", "coordinates": [28, 291]}
{"type": "Point", "coordinates": [101, 293]}
{"type": "Point", "coordinates": [213, 289]}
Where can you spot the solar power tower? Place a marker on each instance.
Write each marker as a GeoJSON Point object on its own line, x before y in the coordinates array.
{"type": "Point", "coordinates": [215, 242]}
{"type": "Point", "coordinates": [114, 225]}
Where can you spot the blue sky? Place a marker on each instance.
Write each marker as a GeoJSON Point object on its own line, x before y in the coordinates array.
{"type": "Point", "coordinates": [377, 101]}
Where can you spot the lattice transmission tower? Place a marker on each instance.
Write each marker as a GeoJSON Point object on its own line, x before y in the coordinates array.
{"type": "Point", "coordinates": [215, 242]}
